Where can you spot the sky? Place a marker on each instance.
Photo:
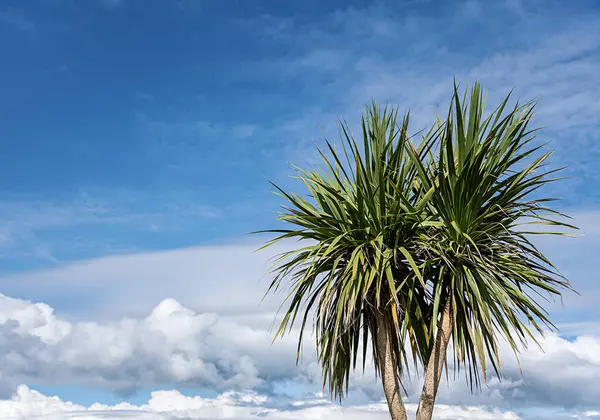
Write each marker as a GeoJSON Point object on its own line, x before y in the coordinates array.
{"type": "Point", "coordinates": [137, 138]}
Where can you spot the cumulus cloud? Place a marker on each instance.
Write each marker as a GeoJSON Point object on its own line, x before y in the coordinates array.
{"type": "Point", "coordinates": [174, 344]}
{"type": "Point", "coordinates": [171, 405]}
{"type": "Point", "coordinates": [213, 333]}
{"type": "Point", "coordinates": [171, 344]}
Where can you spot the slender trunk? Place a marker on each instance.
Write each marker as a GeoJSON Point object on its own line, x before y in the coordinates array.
{"type": "Point", "coordinates": [387, 366]}
{"type": "Point", "coordinates": [435, 366]}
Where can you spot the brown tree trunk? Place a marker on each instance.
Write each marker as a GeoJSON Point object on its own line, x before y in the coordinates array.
{"type": "Point", "coordinates": [387, 366]}
{"type": "Point", "coordinates": [435, 366]}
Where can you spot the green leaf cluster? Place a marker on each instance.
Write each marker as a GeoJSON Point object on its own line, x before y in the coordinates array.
{"type": "Point", "coordinates": [399, 225]}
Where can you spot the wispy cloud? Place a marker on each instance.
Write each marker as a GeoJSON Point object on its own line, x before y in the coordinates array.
{"type": "Point", "coordinates": [406, 58]}
{"type": "Point", "coordinates": [53, 230]}
{"type": "Point", "coordinates": [17, 20]}
{"type": "Point", "coordinates": [198, 277]}
{"type": "Point", "coordinates": [185, 141]}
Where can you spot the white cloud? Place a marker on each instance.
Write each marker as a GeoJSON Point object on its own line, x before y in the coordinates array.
{"type": "Point", "coordinates": [228, 279]}
{"type": "Point", "coordinates": [170, 405]}
{"type": "Point", "coordinates": [176, 345]}
{"type": "Point", "coordinates": [172, 344]}
{"type": "Point", "coordinates": [224, 340]}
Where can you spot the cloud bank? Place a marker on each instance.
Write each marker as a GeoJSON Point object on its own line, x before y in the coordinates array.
{"type": "Point", "coordinates": [171, 405]}
{"type": "Point", "coordinates": [174, 344]}
{"type": "Point", "coordinates": [170, 345]}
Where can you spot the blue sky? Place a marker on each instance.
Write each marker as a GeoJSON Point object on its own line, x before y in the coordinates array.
{"type": "Point", "coordinates": [136, 141]}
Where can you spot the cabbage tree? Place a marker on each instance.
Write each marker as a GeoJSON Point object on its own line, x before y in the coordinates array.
{"type": "Point", "coordinates": [488, 176]}
{"type": "Point", "coordinates": [408, 245]}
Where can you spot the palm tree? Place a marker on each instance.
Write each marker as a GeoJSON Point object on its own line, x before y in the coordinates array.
{"type": "Point", "coordinates": [360, 224]}
{"type": "Point", "coordinates": [409, 246]}
{"type": "Point", "coordinates": [486, 177]}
